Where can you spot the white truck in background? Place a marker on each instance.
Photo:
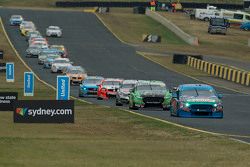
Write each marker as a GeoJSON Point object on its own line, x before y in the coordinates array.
{"type": "Point", "coordinates": [207, 14]}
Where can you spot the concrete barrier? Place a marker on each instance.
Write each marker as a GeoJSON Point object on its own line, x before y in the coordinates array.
{"type": "Point", "coordinates": [221, 71]}
{"type": "Point", "coordinates": [184, 36]}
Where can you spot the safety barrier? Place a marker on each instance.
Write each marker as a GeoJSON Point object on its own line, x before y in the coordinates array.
{"type": "Point", "coordinates": [165, 22]}
{"type": "Point", "coordinates": [221, 71]}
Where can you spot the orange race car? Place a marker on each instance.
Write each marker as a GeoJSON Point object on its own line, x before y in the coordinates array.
{"type": "Point", "coordinates": [76, 74]}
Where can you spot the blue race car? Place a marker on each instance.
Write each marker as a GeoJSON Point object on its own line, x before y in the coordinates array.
{"type": "Point", "coordinates": [245, 26]}
{"type": "Point", "coordinates": [90, 85]}
{"type": "Point", "coordinates": [196, 100]}
{"type": "Point", "coordinates": [16, 20]}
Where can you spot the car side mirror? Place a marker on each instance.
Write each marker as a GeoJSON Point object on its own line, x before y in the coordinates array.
{"type": "Point", "coordinates": [220, 96]}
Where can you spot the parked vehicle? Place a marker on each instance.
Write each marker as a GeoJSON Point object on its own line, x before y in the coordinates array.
{"type": "Point", "coordinates": [207, 14]}
{"type": "Point", "coordinates": [245, 26]}
{"type": "Point", "coordinates": [218, 26]}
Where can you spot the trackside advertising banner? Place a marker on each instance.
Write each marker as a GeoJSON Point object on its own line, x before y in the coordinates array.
{"type": "Point", "coordinates": [44, 111]}
{"type": "Point", "coordinates": [7, 100]}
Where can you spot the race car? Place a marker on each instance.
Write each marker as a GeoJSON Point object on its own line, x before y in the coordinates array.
{"type": "Point", "coordinates": [108, 88]}
{"type": "Point", "coordinates": [27, 29]}
{"type": "Point", "coordinates": [196, 100]}
{"type": "Point", "coordinates": [150, 93]}
{"type": "Point", "coordinates": [49, 61]}
{"type": "Point", "coordinates": [34, 50]}
{"type": "Point", "coordinates": [60, 64]}
{"type": "Point", "coordinates": [16, 20]}
{"type": "Point", "coordinates": [61, 49]}
{"type": "Point", "coordinates": [47, 53]}
{"type": "Point", "coordinates": [76, 74]}
{"type": "Point", "coordinates": [26, 23]}
{"type": "Point", "coordinates": [38, 39]}
{"type": "Point", "coordinates": [32, 34]}
{"type": "Point", "coordinates": [89, 86]}
{"type": "Point", "coordinates": [53, 31]}
{"type": "Point", "coordinates": [123, 92]}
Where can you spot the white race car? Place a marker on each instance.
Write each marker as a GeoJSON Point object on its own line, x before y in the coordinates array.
{"type": "Point", "coordinates": [54, 31]}
{"type": "Point", "coordinates": [60, 65]}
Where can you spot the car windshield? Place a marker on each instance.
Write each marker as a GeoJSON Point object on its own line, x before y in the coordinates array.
{"type": "Point", "coordinates": [128, 86]}
{"type": "Point", "coordinates": [76, 71]}
{"type": "Point", "coordinates": [92, 81]}
{"type": "Point", "coordinates": [115, 83]}
{"type": "Point", "coordinates": [16, 17]}
{"type": "Point", "coordinates": [219, 22]}
{"type": "Point", "coordinates": [151, 87]}
{"type": "Point", "coordinates": [60, 61]}
{"type": "Point", "coordinates": [52, 56]}
{"type": "Point", "coordinates": [198, 92]}
{"type": "Point", "coordinates": [53, 28]}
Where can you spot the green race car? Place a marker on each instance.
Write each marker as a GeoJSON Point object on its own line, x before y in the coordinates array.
{"type": "Point", "coordinates": [149, 93]}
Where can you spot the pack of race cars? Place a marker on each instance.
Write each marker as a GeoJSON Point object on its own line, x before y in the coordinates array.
{"type": "Point", "coordinates": [187, 100]}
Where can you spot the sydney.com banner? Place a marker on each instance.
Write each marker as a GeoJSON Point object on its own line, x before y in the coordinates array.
{"type": "Point", "coordinates": [44, 111]}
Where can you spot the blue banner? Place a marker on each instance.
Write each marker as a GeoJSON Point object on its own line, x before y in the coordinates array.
{"type": "Point", "coordinates": [10, 73]}
{"type": "Point", "coordinates": [63, 88]}
{"type": "Point", "coordinates": [28, 84]}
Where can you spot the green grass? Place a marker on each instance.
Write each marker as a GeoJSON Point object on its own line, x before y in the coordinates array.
{"type": "Point", "coordinates": [105, 137]}
{"type": "Point", "coordinates": [130, 27]}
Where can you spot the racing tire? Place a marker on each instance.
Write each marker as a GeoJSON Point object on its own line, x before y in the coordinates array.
{"type": "Point", "coordinates": [118, 103]}
{"type": "Point", "coordinates": [133, 107]}
{"type": "Point", "coordinates": [246, 29]}
{"type": "Point", "coordinates": [206, 19]}
{"type": "Point", "coordinates": [99, 98]}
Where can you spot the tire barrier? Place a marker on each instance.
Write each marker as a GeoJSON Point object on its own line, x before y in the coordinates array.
{"type": "Point", "coordinates": [221, 71]}
{"type": "Point", "coordinates": [168, 24]}
{"type": "Point", "coordinates": [139, 10]}
{"type": "Point", "coordinates": [183, 58]}
{"type": "Point", "coordinates": [103, 9]}
{"type": "Point", "coordinates": [151, 38]}
{"type": "Point", "coordinates": [1, 54]}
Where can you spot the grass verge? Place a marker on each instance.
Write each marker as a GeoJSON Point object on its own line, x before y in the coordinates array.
{"type": "Point", "coordinates": [105, 137]}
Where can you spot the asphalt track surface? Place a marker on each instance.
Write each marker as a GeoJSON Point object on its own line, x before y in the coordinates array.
{"type": "Point", "coordinates": [93, 47]}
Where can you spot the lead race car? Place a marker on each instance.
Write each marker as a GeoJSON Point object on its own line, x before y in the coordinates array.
{"type": "Point", "coordinates": [196, 100]}
{"type": "Point", "coordinates": [149, 93]}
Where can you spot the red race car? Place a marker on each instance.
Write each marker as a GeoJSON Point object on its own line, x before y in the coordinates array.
{"type": "Point", "coordinates": [108, 87]}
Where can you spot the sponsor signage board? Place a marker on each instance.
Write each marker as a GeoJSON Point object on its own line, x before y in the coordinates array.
{"type": "Point", "coordinates": [63, 87]}
{"type": "Point", "coordinates": [28, 84]}
{"type": "Point", "coordinates": [10, 72]}
{"type": "Point", "coordinates": [44, 111]}
{"type": "Point", "coordinates": [7, 100]}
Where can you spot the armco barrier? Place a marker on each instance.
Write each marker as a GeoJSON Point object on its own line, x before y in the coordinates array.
{"type": "Point", "coordinates": [221, 71]}
{"type": "Point", "coordinates": [184, 36]}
